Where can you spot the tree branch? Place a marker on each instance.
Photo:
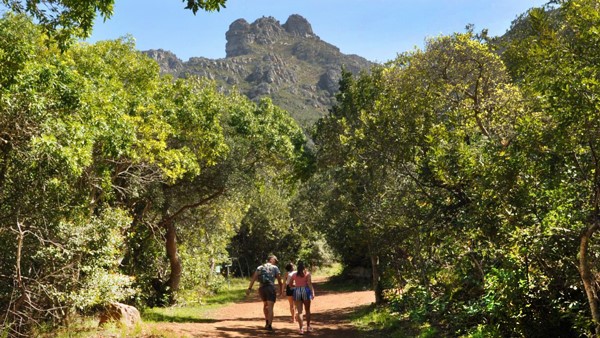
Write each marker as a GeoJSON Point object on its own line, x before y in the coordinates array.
{"type": "Point", "coordinates": [193, 205]}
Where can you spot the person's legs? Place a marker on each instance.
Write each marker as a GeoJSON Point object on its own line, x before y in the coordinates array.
{"type": "Point", "coordinates": [299, 315]}
{"type": "Point", "coordinates": [263, 297]}
{"type": "Point", "coordinates": [267, 293]}
{"type": "Point", "coordinates": [269, 313]}
{"type": "Point", "coordinates": [292, 308]}
{"type": "Point", "coordinates": [307, 308]}
{"type": "Point", "coordinates": [266, 312]}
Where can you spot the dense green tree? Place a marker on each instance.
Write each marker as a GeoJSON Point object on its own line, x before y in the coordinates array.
{"type": "Point", "coordinates": [75, 18]}
{"type": "Point", "coordinates": [116, 159]}
{"type": "Point", "coordinates": [419, 156]}
{"type": "Point", "coordinates": [69, 241]}
{"type": "Point", "coordinates": [263, 144]}
{"type": "Point", "coordinates": [556, 60]}
{"type": "Point", "coordinates": [421, 118]}
{"type": "Point", "coordinates": [266, 228]}
{"type": "Point", "coordinates": [484, 192]}
{"type": "Point", "coordinates": [272, 157]}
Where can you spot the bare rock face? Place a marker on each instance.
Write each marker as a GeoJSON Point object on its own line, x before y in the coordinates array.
{"type": "Point", "coordinates": [242, 35]}
{"type": "Point", "coordinates": [273, 70]}
{"type": "Point", "coordinates": [266, 30]}
{"type": "Point", "coordinates": [238, 38]}
{"type": "Point", "coordinates": [297, 25]}
{"type": "Point", "coordinates": [123, 314]}
{"type": "Point", "coordinates": [329, 81]}
{"type": "Point", "coordinates": [168, 62]}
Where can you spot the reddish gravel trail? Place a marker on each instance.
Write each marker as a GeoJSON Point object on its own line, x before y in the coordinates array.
{"type": "Point", "coordinates": [330, 311]}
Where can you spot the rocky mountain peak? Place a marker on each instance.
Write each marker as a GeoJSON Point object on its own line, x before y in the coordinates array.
{"type": "Point", "coordinates": [238, 38]}
{"type": "Point", "coordinates": [264, 31]}
{"type": "Point", "coordinates": [287, 63]}
{"type": "Point", "coordinates": [241, 35]}
{"type": "Point", "coordinates": [297, 25]}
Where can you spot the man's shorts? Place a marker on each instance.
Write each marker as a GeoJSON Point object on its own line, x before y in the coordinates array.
{"type": "Point", "coordinates": [267, 293]}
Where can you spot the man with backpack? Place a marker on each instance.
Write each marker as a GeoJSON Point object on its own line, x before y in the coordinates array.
{"type": "Point", "coordinates": [266, 275]}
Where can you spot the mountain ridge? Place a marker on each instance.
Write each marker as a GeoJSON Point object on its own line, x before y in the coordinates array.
{"type": "Point", "coordinates": [287, 62]}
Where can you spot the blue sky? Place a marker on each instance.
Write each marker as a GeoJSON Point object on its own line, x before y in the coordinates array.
{"type": "Point", "coordinates": [375, 29]}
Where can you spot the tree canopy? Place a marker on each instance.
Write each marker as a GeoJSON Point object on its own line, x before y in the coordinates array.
{"type": "Point", "coordinates": [75, 18]}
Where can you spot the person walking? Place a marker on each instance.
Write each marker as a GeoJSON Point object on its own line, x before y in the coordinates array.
{"type": "Point", "coordinates": [304, 293]}
{"type": "Point", "coordinates": [289, 291]}
{"type": "Point", "coordinates": [266, 275]}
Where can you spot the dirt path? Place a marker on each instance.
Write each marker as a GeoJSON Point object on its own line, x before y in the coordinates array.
{"type": "Point", "coordinates": [330, 318]}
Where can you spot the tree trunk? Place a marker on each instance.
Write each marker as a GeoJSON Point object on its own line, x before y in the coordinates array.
{"type": "Point", "coordinates": [586, 275]}
{"type": "Point", "coordinates": [376, 279]}
{"type": "Point", "coordinates": [168, 223]}
{"type": "Point", "coordinates": [24, 294]}
{"type": "Point", "coordinates": [175, 262]}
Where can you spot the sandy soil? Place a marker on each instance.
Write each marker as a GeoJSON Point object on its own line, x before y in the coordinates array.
{"type": "Point", "coordinates": [330, 312]}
